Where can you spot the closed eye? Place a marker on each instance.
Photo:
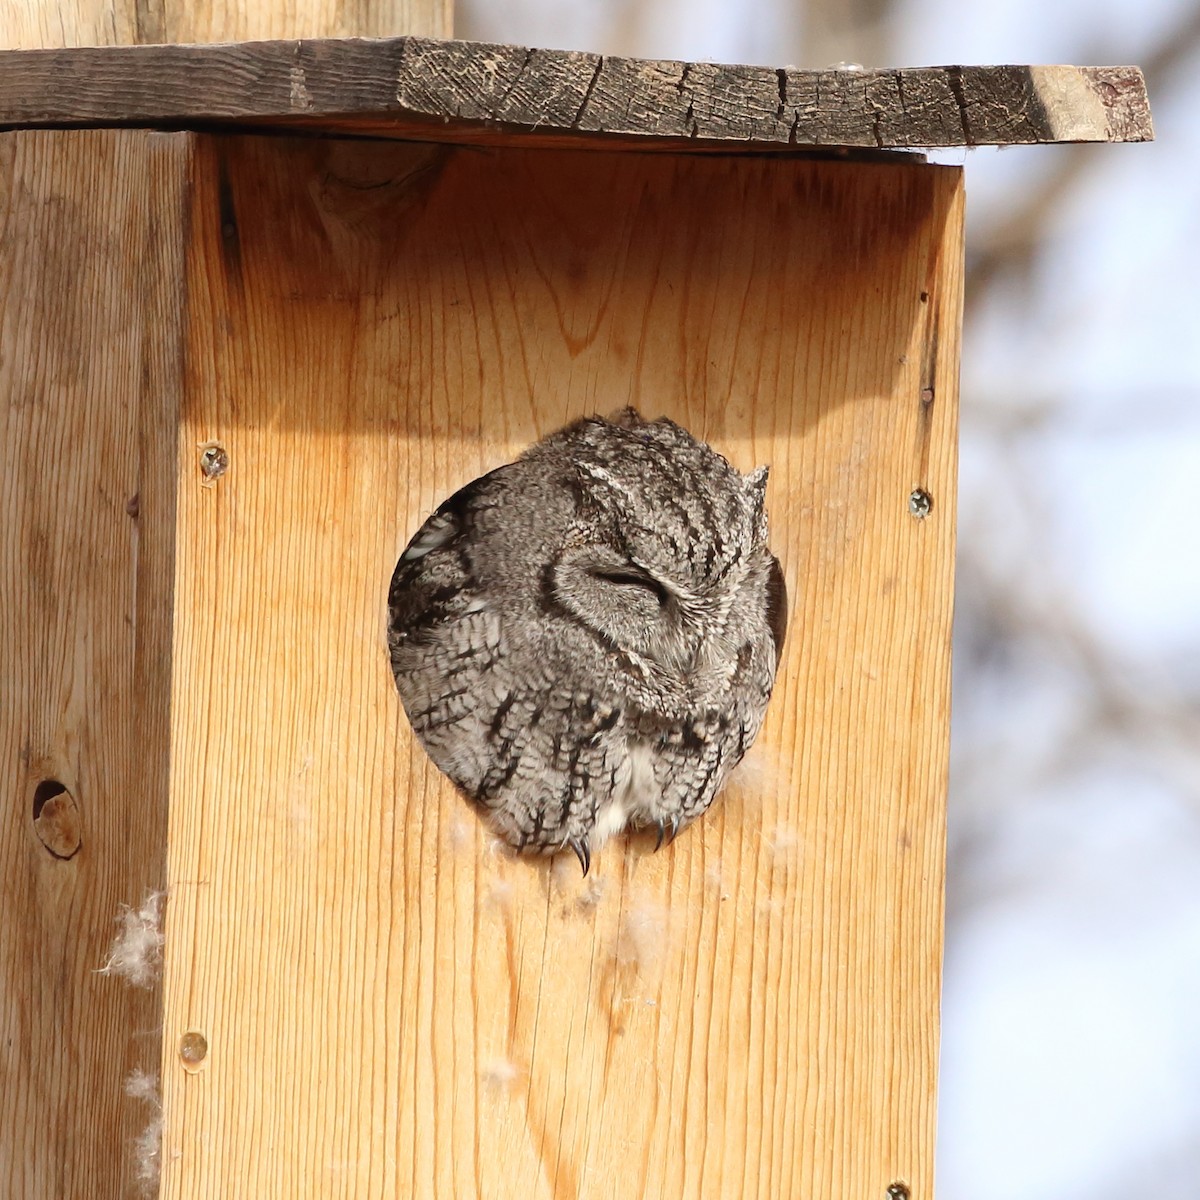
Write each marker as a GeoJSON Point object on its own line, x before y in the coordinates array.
{"type": "Point", "coordinates": [629, 577]}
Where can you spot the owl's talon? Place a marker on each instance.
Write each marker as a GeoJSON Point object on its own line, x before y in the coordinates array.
{"type": "Point", "coordinates": [663, 826]}
{"type": "Point", "coordinates": [582, 852]}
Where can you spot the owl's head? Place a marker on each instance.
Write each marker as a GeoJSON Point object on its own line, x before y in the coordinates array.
{"type": "Point", "coordinates": [666, 561]}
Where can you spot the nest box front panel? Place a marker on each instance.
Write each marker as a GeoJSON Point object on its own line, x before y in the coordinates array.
{"type": "Point", "coordinates": [391, 1002]}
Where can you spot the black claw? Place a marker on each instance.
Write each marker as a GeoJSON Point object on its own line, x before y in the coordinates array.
{"type": "Point", "coordinates": [666, 829]}
{"type": "Point", "coordinates": [582, 852]}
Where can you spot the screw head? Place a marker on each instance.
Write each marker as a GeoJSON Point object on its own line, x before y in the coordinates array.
{"type": "Point", "coordinates": [193, 1049]}
{"type": "Point", "coordinates": [214, 461]}
{"type": "Point", "coordinates": [920, 503]}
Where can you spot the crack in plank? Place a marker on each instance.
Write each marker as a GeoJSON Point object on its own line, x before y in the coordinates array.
{"type": "Point", "coordinates": [954, 77]}
{"type": "Point", "coordinates": [508, 91]}
{"type": "Point", "coordinates": [587, 96]}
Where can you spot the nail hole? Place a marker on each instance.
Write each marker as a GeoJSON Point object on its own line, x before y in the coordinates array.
{"type": "Point", "coordinates": [924, 297]}
{"type": "Point", "coordinates": [920, 503]}
{"type": "Point", "coordinates": [56, 819]}
{"type": "Point", "coordinates": [214, 461]}
{"type": "Point", "coordinates": [898, 1191]}
{"type": "Point", "coordinates": [927, 395]}
{"type": "Point", "coordinates": [193, 1048]}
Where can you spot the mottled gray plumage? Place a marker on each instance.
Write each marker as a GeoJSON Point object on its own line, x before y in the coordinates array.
{"type": "Point", "coordinates": [586, 638]}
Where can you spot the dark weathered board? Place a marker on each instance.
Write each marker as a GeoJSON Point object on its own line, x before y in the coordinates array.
{"type": "Point", "coordinates": [464, 91]}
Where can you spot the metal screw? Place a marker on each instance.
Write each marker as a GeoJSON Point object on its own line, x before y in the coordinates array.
{"type": "Point", "coordinates": [920, 503]}
{"type": "Point", "coordinates": [193, 1048]}
{"type": "Point", "coordinates": [214, 461]}
{"type": "Point", "coordinates": [898, 1191]}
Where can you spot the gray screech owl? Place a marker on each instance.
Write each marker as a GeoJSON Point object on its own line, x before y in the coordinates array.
{"type": "Point", "coordinates": [586, 638]}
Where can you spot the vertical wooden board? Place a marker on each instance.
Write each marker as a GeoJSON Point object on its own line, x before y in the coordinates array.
{"type": "Point", "coordinates": [39, 24]}
{"type": "Point", "coordinates": [91, 268]}
{"type": "Point", "coordinates": [392, 1006]}
{"type": "Point", "coordinates": [247, 20]}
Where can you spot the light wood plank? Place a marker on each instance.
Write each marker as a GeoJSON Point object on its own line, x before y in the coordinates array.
{"type": "Point", "coordinates": [90, 334]}
{"type": "Point", "coordinates": [41, 24]}
{"type": "Point", "coordinates": [419, 88]}
{"type": "Point", "coordinates": [391, 1008]}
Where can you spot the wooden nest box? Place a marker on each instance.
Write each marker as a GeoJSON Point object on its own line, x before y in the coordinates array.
{"type": "Point", "coordinates": [264, 305]}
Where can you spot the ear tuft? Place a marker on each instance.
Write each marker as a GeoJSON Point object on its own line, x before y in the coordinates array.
{"type": "Point", "coordinates": [756, 482]}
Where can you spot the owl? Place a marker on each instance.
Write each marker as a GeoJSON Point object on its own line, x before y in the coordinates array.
{"type": "Point", "coordinates": [585, 640]}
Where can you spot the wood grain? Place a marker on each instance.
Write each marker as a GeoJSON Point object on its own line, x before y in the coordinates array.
{"type": "Point", "coordinates": [30, 25]}
{"type": "Point", "coordinates": [416, 88]}
{"type": "Point", "coordinates": [91, 227]}
{"type": "Point", "coordinates": [372, 1000]}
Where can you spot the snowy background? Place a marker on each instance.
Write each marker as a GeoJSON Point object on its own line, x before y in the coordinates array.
{"type": "Point", "coordinates": [1071, 1037]}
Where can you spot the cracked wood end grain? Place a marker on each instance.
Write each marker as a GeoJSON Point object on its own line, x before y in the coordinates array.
{"type": "Point", "coordinates": [456, 91]}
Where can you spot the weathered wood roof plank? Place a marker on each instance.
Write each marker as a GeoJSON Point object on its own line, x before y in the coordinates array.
{"type": "Point", "coordinates": [470, 91]}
